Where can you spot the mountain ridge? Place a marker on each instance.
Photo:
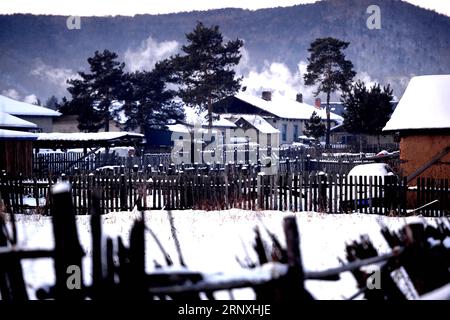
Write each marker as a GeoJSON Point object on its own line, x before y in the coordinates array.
{"type": "Point", "coordinates": [39, 51]}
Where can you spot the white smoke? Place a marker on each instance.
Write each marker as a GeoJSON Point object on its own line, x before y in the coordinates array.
{"type": "Point", "coordinates": [278, 78]}
{"type": "Point", "coordinates": [366, 78]}
{"type": "Point", "coordinates": [148, 53]}
{"type": "Point", "coordinates": [54, 75]}
{"type": "Point", "coordinates": [12, 93]}
{"type": "Point", "coordinates": [31, 99]}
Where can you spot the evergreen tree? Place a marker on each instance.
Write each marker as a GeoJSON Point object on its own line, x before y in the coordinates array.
{"type": "Point", "coordinates": [96, 92]}
{"type": "Point", "coordinates": [51, 103]}
{"type": "Point", "coordinates": [37, 102]}
{"type": "Point", "coordinates": [151, 104]}
{"type": "Point", "coordinates": [205, 73]}
{"type": "Point", "coordinates": [314, 127]}
{"type": "Point", "coordinates": [367, 110]}
{"type": "Point", "coordinates": [82, 105]}
{"type": "Point", "coordinates": [329, 70]}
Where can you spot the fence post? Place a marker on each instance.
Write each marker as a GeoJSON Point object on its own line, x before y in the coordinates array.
{"type": "Point", "coordinates": [68, 251]}
{"type": "Point", "coordinates": [96, 231]}
{"type": "Point", "coordinates": [123, 193]}
{"type": "Point", "coordinates": [294, 285]}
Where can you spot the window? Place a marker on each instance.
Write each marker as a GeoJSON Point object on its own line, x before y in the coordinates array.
{"type": "Point", "coordinates": [284, 132]}
{"type": "Point", "coordinates": [295, 132]}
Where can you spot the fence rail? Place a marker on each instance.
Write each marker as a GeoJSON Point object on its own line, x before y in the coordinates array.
{"type": "Point", "coordinates": [243, 187]}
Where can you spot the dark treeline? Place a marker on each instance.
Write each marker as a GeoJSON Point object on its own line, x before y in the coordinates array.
{"type": "Point", "coordinates": [411, 40]}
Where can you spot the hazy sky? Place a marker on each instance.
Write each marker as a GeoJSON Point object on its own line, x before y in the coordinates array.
{"type": "Point", "coordinates": [131, 7]}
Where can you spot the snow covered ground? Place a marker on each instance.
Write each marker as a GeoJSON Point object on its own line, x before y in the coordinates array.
{"type": "Point", "coordinates": [210, 241]}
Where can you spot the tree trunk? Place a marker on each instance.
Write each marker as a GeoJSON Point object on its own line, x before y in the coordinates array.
{"type": "Point", "coordinates": [360, 143]}
{"type": "Point", "coordinates": [106, 125]}
{"type": "Point", "coordinates": [327, 139]}
{"type": "Point", "coordinates": [210, 120]}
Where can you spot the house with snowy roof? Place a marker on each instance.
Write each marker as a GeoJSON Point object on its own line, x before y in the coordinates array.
{"type": "Point", "coordinates": [288, 116]}
{"type": "Point", "coordinates": [30, 114]}
{"type": "Point", "coordinates": [10, 122]}
{"type": "Point", "coordinates": [422, 119]}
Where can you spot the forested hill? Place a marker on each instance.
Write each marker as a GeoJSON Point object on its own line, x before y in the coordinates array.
{"type": "Point", "coordinates": [39, 52]}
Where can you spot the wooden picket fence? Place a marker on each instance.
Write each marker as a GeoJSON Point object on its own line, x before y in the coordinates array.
{"type": "Point", "coordinates": [245, 188]}
{"type": "Point", "coordinates": [70, 163]}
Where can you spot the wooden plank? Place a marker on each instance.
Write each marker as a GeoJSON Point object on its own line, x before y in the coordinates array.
{"type": "Point", "coordinates": [296, 193]}
{"type": "Point", "coordinates": [432, 161]}
{"type": "Point", "coordinates": [371, 196]}
{"type": "Point", "coordinates": [366, 194]}
{"type": "Point", "coordinates": [68, 251]}
{"type": "Point", "coordinates": [305, 178]}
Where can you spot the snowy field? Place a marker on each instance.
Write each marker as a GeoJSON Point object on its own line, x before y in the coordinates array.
{"type": "Point", "coordinates": [211, 241]}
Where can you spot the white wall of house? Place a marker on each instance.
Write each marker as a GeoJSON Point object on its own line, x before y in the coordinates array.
{"type": "Point", "coordinates": [290, 128]}
{"type": "Point", "coordinates": [45, 124]}
{"type": "Point", "coordinates": [290, 124]}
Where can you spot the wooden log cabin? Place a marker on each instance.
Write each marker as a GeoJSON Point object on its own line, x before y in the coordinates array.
{"type": "Point", "coordinates": [422, 119]}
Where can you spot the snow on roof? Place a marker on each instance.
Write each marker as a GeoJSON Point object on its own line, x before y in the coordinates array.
{"type": "Point", "coordinates": [259, 123]}
{"type": "Point", "coordinates": [192, 118]}
{"type": "Point", "coordinates": [221, 122]}
{"type": "Point", "coordinates": [286, 108]}
{"type": "Point", "coordinates": [19, 108]}
{"type": "Point", "coordinates": [16, 135]}
{"type": "Point", "coordinates": [187, 128]}
{"type": "Point", "coordinates": [181, 128]}
{"type": "Point", "coordinates": [87, 136]}
{"type": "Point", "coordinates": [424, 105]}
{"type": "Point", "coordinates": [9, 121]}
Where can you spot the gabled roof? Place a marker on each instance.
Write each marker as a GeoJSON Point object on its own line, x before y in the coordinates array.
{"type": "Point", "coordinates": [286, 108]}
{"type": "Point", "coordinates": [19, 108]}
{"type": "Point", "coordinates": [259, 123]}
{"type": "Point", "coordinates": [192, 119]}
{"type": "Point", "coordinates": [424, 105]}
{"type": "Point", "coordinates": [9, 121]}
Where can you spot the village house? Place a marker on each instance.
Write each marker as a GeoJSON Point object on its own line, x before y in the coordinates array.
{"type": "Point", "coordinates": [339, 135]}
{"type": "Point", "coordinates": [10, 122]}
{"type": "Point", "coordinates": [42, 117]}
{"type": "Point", "coordinates": [69, 123]}
{"type": "Point", "coordinates": [16, 151]}
{"type": "Point", "coordinates": [422, 119]}
{"type": "Point", "coordinates": [16, 148]}
{"type": "Point", "coordinates": [288, 116]}
{"type": "Point", "coordinates": [259, 124]}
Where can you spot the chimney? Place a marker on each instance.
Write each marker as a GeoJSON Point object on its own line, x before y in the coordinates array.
{"type": "Point", "coordinates": [317, 103]}
{"type": "Point", "coordinates": [299, 98]}
{"type": "Point", "coordinates": [266, 95]}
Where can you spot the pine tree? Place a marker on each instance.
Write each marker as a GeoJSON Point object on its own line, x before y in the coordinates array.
{"type": "Point", "coordinates": [151, 103]}
{"type": "Point", "coordinates": [314, 127]}
{"type": "Point", "coordinates": [329, 70]}
{"type": "Point", "coordinates": [367, 110]}
{"type": "Point", "coordinates": [205, 73]}
{"type": "Point", "coordinates": [51, 103]}
{"type": "Point", "coordinates": [97, 90]}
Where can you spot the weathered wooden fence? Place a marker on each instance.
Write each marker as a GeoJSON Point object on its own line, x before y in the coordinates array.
{"type": "Point", "coordinates": [70, 163]}
{"type": "Point", "coordinates": [119, 271]}
{"type": "Point", "coordinates": [243, 187]}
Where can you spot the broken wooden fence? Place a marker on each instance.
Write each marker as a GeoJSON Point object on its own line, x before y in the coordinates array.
{"type": "Point", "coordinates": [119, 271]}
